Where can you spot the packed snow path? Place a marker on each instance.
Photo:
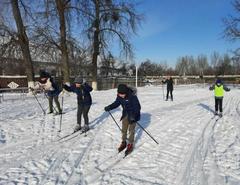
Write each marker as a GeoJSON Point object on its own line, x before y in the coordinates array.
{"type": "Point", "coordinates": [194, 146]}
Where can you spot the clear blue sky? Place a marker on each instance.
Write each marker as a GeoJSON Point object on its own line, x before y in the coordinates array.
{"type": "Point", "coordinates": [174, 28]}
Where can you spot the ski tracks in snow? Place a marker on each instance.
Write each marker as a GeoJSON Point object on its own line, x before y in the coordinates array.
{"type": "Point", "coordinates": [191, 143]}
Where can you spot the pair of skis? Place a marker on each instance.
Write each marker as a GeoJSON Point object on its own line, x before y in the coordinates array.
{"type": "Point", "coordinates": [73, 134]}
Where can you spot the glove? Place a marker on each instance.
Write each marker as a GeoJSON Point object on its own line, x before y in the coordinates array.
{"type": "Point", "coordinates": [107, 109]}
{"type": "Point", "coordinates": [31, 89]}
{"type": "Point", "coordinates": [62, 92]}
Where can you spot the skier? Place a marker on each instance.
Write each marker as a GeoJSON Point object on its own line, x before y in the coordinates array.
{"type": "Point", "coordinates": [219, 89]}
{"type": "Point", "coordinates": [130, 115]}
{"type": "Point", "coordinates": [169, 82]}
{"type": "Point", "coordinates": [84, 100]}
{"type": "Point", "coordinates": [49, 86]}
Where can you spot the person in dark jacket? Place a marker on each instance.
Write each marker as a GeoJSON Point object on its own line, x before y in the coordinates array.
{"type": "Point", "coordinates": [49, 86]}
{"type": "Point", "coordinates": [84, 101]}
{"type": "Point", "coordinates": [130, 115]}
{"type": "Point", "coordinates": [219, 89]}
{"type": "Point", "coordinates": [169, 82]}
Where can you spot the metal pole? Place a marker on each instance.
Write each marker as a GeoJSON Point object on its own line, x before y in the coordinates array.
{"type": "Point", "coordinates": [39, 104]}
{"type": "Point", "coordinates": [147, 132]}
{"type": "Point", "coordinates": [136, 76]}
{"type": "Point", "coordinates": [163, 90]}
{"type": "Point", "coordinates": [61, 117]}
{"type": "Point", "coordinates": [114, 120]}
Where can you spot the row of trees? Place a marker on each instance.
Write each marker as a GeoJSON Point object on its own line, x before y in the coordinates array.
{"type": "Point", "coordinates": [188, 65]}
{"type": "Point", "coordinates": [56, 30]}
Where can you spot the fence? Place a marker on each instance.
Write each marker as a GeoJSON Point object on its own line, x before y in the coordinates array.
{"type": "Point", "coordinates": [112, 82]}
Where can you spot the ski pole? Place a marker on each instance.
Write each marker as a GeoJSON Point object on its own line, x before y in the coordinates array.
{"type": "Point", "coordinates": [163, 91]}
{"type": "Point", "coordinates": [114, 120]}
{"type": "Point", "coordinates": [147, 132]}
{"type": "Point", "coordinates": [39, 104]}
{"type": "Point", "coordinates": [61, 117]}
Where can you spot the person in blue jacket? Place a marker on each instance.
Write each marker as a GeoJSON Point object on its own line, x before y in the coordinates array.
{"type": "Point", "coordinates": [84, 100]}
{"type": "Point", "coordinates": [130, 115]}
{"type": "Point", "coordinates": [50, 87]}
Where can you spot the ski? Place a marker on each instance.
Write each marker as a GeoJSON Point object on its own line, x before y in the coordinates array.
{"type": "Point", "coordinates": [58, 114]}
{"type": "Point", "coordinates": [61, 138]}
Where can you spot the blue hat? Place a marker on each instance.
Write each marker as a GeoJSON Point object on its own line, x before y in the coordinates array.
{"type": "Point", "coordinates": [218, 81]}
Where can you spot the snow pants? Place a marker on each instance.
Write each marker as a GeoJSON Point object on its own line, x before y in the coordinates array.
{"type": "Point", "coordinates": [83, 109]}
{"type": "Point", "coordinates": [50, 99]}
{"type": "Point", "coordinates": [126, 126]}
{"type": "Point", "coordinates": [169, 91]}
{"type": "Point", "coordinates": [218, 104]}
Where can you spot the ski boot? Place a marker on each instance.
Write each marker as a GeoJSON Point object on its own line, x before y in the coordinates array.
{"type": "Point", "coordinates": [122, 146]}
{"type": "Point", "coordinates": [129, 149]}
{"type": "Point", "coordinates": [77, 128]}
{"type": "Point", "coordinates": [85, 128]}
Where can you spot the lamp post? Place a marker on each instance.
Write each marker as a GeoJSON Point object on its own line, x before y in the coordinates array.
{"type": "Point", "coordinates": [136, 75]}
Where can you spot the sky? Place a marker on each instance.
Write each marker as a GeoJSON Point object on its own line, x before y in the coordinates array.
{"type": "Point", "coordinates": [174, 28]}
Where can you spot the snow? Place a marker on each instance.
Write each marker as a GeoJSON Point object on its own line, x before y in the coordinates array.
{"type": "Point", "coordinates": [194, 146]}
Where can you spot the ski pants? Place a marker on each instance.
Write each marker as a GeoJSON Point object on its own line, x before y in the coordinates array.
{"type": "Point", "coordinates": [126, 126]}
{"type": "Point", "coordinates": [83, 109]}
{"type": "Point", "coordinates": [50, 99]}
{"type": "Point", "coordinates": [218, 104]}
{"type": "Point", "coordinates": [169, 91]}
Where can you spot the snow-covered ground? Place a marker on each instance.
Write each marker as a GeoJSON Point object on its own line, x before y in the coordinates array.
{"type": "Point", "coordinates": [194, 146]}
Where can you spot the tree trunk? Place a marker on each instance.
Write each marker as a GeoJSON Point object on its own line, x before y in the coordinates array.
{"type": "Point", "coordinates": [63, 43]}
{"type": "Point", "coordinates": [23, 42]}
{"type": "Point", "coordinates": [96, 43]}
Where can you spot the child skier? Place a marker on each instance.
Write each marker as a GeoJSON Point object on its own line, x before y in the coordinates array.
{"type": "Point", "coordinates": [84, 100]}
{"type": "Point", "coordinates": [130, 115]}
{"type": "Point", "coordinates": [169, 82]}
{"type": "Point", "coordinates": [219, 89]}
{"type": "Point", "coordinates": [49, 86]}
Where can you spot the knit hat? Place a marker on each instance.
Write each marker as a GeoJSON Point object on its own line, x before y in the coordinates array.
{"type": "Point", "coordinates": [78, 80]}
{"type": "Point", "coordinates": [219, 81]}
{"type": "Point", "coordinates": [122, 89]}
{"type": "Point", "coordinates": [44, 74]}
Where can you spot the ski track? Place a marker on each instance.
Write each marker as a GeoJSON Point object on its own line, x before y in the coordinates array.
{"type": "Point", "coordinates": [191, 144]}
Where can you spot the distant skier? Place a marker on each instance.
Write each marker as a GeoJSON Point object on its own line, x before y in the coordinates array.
{"type": "Point", "coordinates": [130, 115]}
{"type": "Point", "coordinates": [49, 86]}
{"type": "Point", "coordinates": [219, 89]}
{"type": "Point", "coordinates": [84, 100]}
{"type": "Point", "coordinates": [169, 82]}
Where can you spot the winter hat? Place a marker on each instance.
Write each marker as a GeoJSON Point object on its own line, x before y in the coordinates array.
{"type": "Point", "coordinates": [122, 89]}
{"type": "Point", "coordinates": [218, 81]}
{"type": "Point", "coordinates": [44, 74]}
{"type": "Point", "coordinates": [78, 80]}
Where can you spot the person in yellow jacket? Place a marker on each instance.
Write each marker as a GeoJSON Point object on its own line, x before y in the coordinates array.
{"type": "Point", "coordinates": [219, 89]}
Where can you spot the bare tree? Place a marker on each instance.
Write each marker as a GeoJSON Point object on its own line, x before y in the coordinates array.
{"type": "Point", "coordinates": [232, 29]}
{"type": "Point", "coordinates": [106, 21]}
{"type": "Point", "coordinates": [17, 37]}
{"type": "Point", "coordinates": [52, 29]}
{"type": "Point", "coordinates": [202, 64]}
{"type": "Point", "coordinates": [61, 9]}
